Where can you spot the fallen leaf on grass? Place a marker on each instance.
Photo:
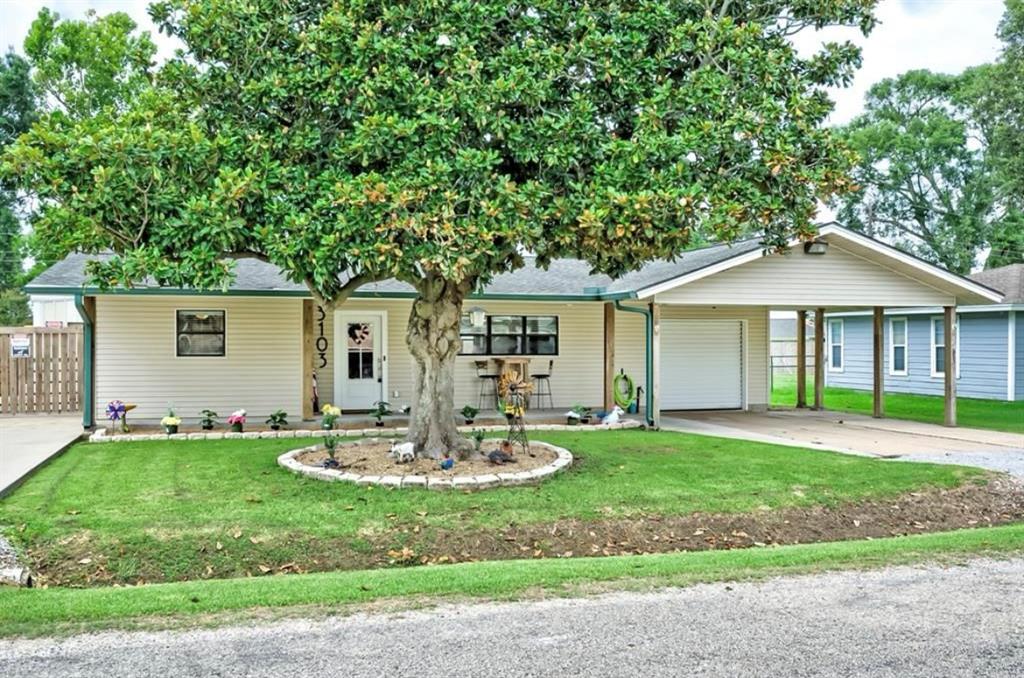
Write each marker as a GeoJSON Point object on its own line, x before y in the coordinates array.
{"type": "Point", "coordinates": [254, 540]}
{"type": "Point", "coordinates": [236, 534]}
{"type": "Point", "coordinates": [85, 561]}
{"type": "Point", "coordinates": [264, 569]}
{"type": "Point", "coordinates": [220, 547]}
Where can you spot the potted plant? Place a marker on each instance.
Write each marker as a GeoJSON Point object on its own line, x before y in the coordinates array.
{"type": "Point", "coordinates": [469, 414]}
{"type": "Point", "coordinates": [330, 415]}
{"type": "Point", "coordinates": [331, 445]}
{"type": "Point", "coordinates": [478, 438]}
{"type": "Point", "coordinates": [577, 414]}
{"type": "Point", "coordinates": [383, 410]}
{"type": "Point", "coordinates": [207, 419]}
{"type": "Point", "coordinates": [237, 421]}
{"type": "Point", "coordinates": [171, 422]}
{"type": "Point", "coordinates": [277, 420]}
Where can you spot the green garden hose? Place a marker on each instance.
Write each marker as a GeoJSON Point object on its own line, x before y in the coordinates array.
{"type": "Point", "coordinates": [623, 397]}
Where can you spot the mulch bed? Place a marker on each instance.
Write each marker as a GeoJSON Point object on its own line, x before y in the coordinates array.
{"type": "Point", "coordinates": [410, 540]}
{"type": "Point", "coordinates": [373, 459]}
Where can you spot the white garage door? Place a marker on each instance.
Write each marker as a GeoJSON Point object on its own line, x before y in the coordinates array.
{"type": "Point", "coordinates": [701, 364]}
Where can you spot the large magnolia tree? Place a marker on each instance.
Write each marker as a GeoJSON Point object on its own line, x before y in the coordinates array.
{"type": "Point", "coordinates": [433, 141]}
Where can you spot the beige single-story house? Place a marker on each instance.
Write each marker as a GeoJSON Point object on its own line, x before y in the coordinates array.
{"type": "Point", "coordinates": [693, 332]}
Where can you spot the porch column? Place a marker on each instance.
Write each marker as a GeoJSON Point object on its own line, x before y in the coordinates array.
{"type": "Point", "coordinates": [801, 358]}
{"type": "Point", "coordinates": [306, 390]}
{"type": "Point", "coordinates": [819, 359]}
{"type": "Point", "coordinates": [878, 354]}
{"type": "Point", "coordinates": [655, 385]}
{"type": "Point", "coordinates": [949, 363]}
{"type": "Point", "coordinates": [609, 355]}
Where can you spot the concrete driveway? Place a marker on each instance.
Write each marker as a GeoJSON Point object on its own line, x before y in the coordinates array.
{"type": "Point", "coordinates": [863, 435]}
{"type": "Point", "coordinates": [26, 441]}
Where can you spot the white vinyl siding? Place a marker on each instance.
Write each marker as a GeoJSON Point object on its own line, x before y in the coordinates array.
{"type": "Point", "coordinates": [834, 337]}
{"type": "Point", "coordinates": [898, 347]}
{"type": "Point", "coordinates": [798, 280]}
{"type": "Point", "coordinates": [261, 370]}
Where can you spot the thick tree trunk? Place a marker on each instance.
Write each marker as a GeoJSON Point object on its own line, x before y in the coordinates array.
{"type": "Point", "coordinates": [433, 339]}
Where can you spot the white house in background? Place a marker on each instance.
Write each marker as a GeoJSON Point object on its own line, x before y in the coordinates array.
{"type": "Point", "coordinates": [694, 332]}
{"type": "Point", "coordinates": [50, 309]}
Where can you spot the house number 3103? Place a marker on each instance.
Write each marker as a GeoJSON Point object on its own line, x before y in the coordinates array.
{"type": "Point", "coordinates": [321, 338]}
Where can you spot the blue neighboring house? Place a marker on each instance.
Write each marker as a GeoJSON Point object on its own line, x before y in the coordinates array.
{"type": "Point", "coordinates": [990, 359]}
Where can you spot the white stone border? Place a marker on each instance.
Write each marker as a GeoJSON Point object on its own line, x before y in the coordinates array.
{"type": "Point", "coordinates": [100, 435]}
{"type": "Point", "coordinates": [562, 461]}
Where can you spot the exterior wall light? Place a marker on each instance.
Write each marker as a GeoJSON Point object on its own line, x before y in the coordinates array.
{"type": "Point", "coordinates": [477, 316]}
{"type": "Point", "coordinates": [815, 247]}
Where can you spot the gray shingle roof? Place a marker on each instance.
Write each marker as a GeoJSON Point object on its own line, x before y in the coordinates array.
{"type": "Point", "coordinates": [1007, 279]}
{"type": "Point", "coordinates": [564, 277]}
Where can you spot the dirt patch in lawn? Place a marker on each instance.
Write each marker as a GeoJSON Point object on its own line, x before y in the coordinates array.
{"type": "Point", "coordinates": [415, 539]}
{"type": "Point", "coordinates": [373, 459]}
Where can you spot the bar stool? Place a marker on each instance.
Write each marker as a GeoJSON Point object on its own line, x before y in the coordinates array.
{"type": "Point", "coordinates": [542, 386]}
{"type": "Point", "coordinates": [488, 383]}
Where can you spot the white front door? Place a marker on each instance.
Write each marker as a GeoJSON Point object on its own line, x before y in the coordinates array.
{"type": "Point", "coordinates": [701, 364]}
{"type": "Point", "coordinates": [360, 359]}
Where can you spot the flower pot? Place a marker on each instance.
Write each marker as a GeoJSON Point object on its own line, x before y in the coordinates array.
{"type": "Point", "coordinates": [584, 420]}
{"type": "Point", "coordinates": [236, 428]}
{"type": "Point", "coordinates": [275, 427]}
{"type": "Point", "coordinates": [380, 424]}
{"type": "Point", "coordinates": [207, 427]}
{"type": "Point", "coordinates": [469, 422]}
{"type": "Point", "coordinates": [572, 421]}
{"type": "Point", "coordinates": [327, 426]}
{"type": "Point", "coordinates": [171, 429]}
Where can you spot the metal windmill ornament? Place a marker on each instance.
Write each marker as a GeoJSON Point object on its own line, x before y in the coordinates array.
{"type": "Point", "coordinates": [515, 396]}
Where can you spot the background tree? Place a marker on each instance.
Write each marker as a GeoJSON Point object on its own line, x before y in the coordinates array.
{"type": "Point", "coordinates": [433, 141]}
{"type": "Point", "coordinates": [996, 97]}
{"type": "Point", "coordinates": [923, 182]}
{"type": "Point", "coordinates": [17, 111]}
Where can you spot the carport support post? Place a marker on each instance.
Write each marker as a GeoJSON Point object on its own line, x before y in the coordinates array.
{"type": "Point", "coordinates": [819, 359]}
{"type": "Point", "coordinates": [801, 358]}
{"type": "Point", "coordinates": [306, 390]}
{"type": "Point", "coordinates": [949, 363]}
{"type": "Point", "coordinates": [609, 355]}
{"type": "Point", "coordinates": [878, 354]}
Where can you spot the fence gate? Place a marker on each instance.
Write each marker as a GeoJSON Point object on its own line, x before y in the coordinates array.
{"type": "Point", "coordinates": [40, 369]}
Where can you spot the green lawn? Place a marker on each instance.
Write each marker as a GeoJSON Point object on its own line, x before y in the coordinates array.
{"type": "Point", "coordinates": [997, 415]}
{"type": "Point", "coordinates": [56, 611]}
{"type": "Point", "coordinates": [161, 511]}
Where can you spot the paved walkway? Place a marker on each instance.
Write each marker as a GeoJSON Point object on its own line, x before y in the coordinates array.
{"type": "Point", "coordinates": [898, 622]}
{"type": "Point", "coordinates": [28, 440]}
{"type": "Point", "coordinates": [862, 435]}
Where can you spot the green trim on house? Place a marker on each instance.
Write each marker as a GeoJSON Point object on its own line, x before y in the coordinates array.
{"type": "Point", "coordinates": [88, 329]}
{"type": "Point", "coordinates": [648, 356]}
{"type": "Point", "coordinates": [301, 294]}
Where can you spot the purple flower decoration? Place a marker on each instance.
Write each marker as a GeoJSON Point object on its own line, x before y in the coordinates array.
{"type": "Point", "coordinates": [115, 410]}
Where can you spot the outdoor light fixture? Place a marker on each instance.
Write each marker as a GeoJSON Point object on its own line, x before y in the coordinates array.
{"type": "Point", "coordinates": [477, 316]}
{"type": "Point", "coordinates": [815, 247]}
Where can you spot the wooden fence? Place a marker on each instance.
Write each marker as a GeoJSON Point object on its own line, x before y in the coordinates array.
{"type": "Point", "coordinates": [40, 370]}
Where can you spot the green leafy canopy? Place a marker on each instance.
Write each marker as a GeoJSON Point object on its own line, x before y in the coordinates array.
{"type": "Point", "coordinates": [354, 141]}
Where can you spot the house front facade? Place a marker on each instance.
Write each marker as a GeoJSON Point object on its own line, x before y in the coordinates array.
{"type": "Point", "coordinates": [989, 342]}
{"type": "Point", "coordinates": [693, 333]}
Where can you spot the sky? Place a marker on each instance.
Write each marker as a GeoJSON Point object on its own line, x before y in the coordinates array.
{"type": "Point", "coordinates": [943, 35]}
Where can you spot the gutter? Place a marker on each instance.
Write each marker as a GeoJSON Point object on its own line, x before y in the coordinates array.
{"type": "Point", "coordinates": [88, 330]}
{"type": "Point", "coordinates": [648, 357]}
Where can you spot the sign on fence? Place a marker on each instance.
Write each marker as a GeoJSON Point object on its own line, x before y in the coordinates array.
{"type": "Point", "coordinates": [20, 346]}
{"type": "Point", "coordinates": [40, 369]}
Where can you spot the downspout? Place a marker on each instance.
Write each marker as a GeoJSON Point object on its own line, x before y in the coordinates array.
{"type": "Point", "coordinates": [648, 357]}
{"type": "Point", "coordinates": [88, 420]}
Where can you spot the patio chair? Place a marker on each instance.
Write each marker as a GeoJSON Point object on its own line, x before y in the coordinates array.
{"type": "Point", "coordinates": [542, 386]}
{"type": "Point", "coordinates": [488, 383]}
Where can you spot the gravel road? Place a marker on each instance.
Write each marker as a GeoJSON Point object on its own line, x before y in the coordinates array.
{"type": "Point", "coordinates": [905, 622]}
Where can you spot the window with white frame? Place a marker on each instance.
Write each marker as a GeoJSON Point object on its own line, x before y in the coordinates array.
{"type": "Point", "coordinates": [898, 346]}
{"type": "Point", "coordinates": [835, 345]}
{"type": "Point", "coordinates": [939, 346]}
{"type": "Point", "coordinates": [200, 333]}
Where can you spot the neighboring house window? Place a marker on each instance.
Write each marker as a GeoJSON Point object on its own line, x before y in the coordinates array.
{"type": "Point", "coordinates": [835, 345]}
{"type": "Point", "coordinates": [898, 346]}
{"type": "Point", "coordinates": [200, 333]}
{"type": "Point", "coordinates": [510, 335]}
{"type": "Point", "coordinates": [939, 347]}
